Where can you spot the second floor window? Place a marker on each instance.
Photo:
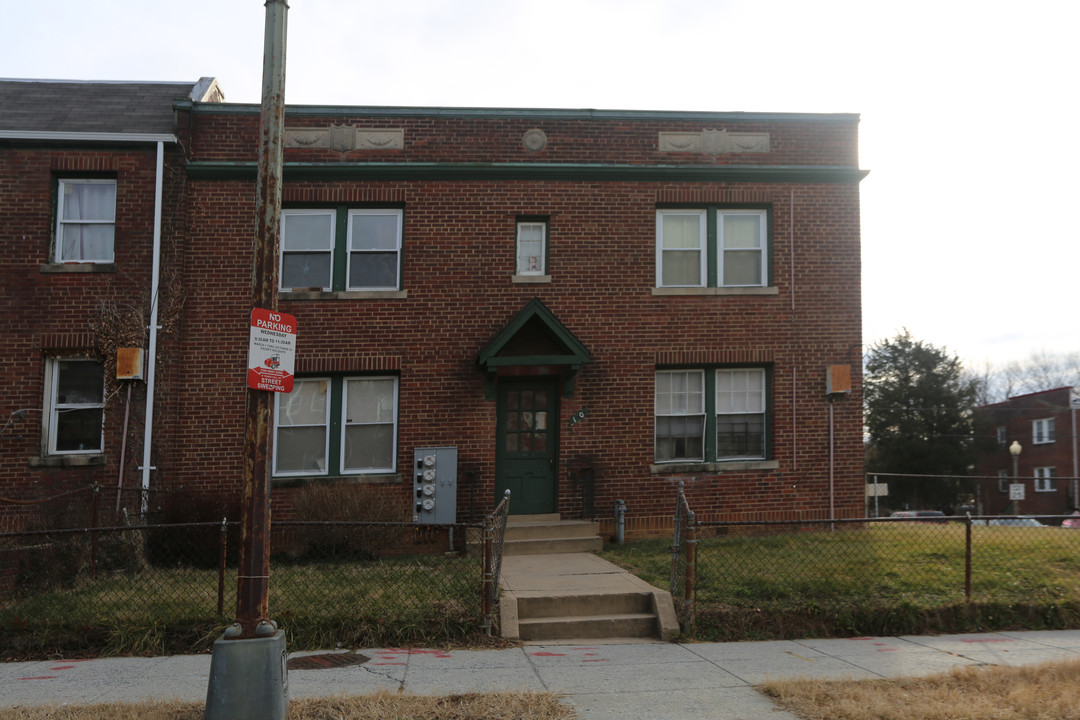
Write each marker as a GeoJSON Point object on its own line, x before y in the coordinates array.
{"type": "Point", "coordinates": [531, 247]}
{"type": "Point", "coordinates": [341, 249]}
{"type": "Point", "coordinates": [85, 221]}
{"type": "Point", "coordinates": [712, 248]}
{"type": "Point", "coordinates": [1042, 431]}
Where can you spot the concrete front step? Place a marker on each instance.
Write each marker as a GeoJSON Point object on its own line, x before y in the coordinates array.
{"type": "Point", "coordinates": [550, 530]}
{"type": "Point", "coordinates": [545, 535]}
{"type": "Point", "coordinates": [552, 546]}
{"type": "Point", "coordinates": [565, 627]}
{"type": "Point", "coordinates": [599, 603]}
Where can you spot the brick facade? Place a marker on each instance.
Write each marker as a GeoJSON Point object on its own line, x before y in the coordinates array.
{"type": "Point", "coordinates": [462, 179]}
{"type": "Point", "coordinates": [1015, 419]}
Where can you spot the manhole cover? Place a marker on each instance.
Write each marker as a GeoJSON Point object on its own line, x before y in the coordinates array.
{"type": "Point", "coordinates": [327, 660]}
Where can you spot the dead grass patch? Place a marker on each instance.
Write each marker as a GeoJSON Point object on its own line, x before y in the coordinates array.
{"type": "Point", "coordinates": [1034, 692]}
{"type": "Point", "coordinates": [381, 705]}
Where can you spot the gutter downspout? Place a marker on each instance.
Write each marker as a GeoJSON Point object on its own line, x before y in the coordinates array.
{"type": "Point", "coordinates": [155, 283]}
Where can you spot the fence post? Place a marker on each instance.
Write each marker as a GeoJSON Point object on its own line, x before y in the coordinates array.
{"type": "Point", "coordinates": [221, 568]}
{"type": "Point", "coordinates": [967, 559]}
{"type": "Point", "coordinates": [486, 581]}
{"type": "Point", "coordinates": [93, 531]}
{"type": "Point", "coordinates": [691, 559]}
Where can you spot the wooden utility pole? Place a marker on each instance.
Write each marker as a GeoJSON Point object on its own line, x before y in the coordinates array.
{"type": "Point", "coordinates": [252, 592]}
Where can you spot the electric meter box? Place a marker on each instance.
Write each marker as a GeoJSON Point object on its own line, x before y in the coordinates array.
{"type": "Point", "coordinates": [435, 485]}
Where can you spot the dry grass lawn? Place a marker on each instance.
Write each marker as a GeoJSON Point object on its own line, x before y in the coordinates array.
{"type": "Point", "coordinates": [1035, 692]}
{"type": "Point", "coordinates": [382, 705]}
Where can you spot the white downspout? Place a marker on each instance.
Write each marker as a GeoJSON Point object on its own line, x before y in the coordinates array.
{"type": "Point", "coordinates": [155, 282]}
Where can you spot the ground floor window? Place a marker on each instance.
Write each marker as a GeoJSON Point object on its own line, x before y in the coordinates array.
{"type": "Point", "coordinates": [1044, 479]}
{"type": "Point", "coordinates": [337, 426]}
{"type": "Point", "coordinates": [711, 414]}
{"type": "Point", "coordinates": [74, 406]}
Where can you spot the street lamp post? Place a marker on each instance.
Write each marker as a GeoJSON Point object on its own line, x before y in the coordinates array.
{"type": "Point", "coordinates": [1014, 450]}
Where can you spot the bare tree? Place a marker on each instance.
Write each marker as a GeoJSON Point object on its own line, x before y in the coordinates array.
{"type": "Point", "coordinates": [1040, 371]}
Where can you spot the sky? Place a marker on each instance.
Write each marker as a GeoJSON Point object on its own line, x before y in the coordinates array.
{"type": "Point", "coordinates": [968, 110]}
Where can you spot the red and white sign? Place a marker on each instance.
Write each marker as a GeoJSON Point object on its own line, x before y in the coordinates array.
{"type": "Point", "coordinates": [271, 351]}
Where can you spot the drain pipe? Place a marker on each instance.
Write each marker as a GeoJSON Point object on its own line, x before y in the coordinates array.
{"type": "Point", "coordinates": [151, 352]}
{"type": "Point", "coordinates": [620, 521]}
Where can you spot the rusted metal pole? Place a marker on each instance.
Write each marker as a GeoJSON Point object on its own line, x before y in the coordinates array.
{"type": "Point", "coordinates": [223, 554]}
{"type": "Point", "coordinates": [252, 592]}
{"type": "Point", "coordinates": [967, 559]}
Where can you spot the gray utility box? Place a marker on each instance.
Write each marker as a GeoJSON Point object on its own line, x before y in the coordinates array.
{"type": "Point", "coordinates": [435, 485]}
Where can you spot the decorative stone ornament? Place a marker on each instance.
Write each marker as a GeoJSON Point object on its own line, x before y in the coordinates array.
{"type": "Point", "coordinates": [534, 140]}
{"type": "Point", "coordinates": [345, 138]}
{"type": "Point", "coordinates": [713, 142]}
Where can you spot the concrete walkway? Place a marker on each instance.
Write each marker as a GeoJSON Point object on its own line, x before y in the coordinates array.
{"type": "Point", "coordinates": [653, 681]}
{"type": "Point", "coordinates": [582, 581]}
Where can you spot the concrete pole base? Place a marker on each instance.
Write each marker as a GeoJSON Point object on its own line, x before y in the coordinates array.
{"type": "Point", "coordinates": [249, 679]}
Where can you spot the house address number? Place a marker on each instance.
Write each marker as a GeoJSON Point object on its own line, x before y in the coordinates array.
{"type": "Point", "coordinates": [578, 417]}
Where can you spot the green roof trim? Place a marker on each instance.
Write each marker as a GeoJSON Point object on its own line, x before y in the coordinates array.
{"type": "Point", "coordinates": [298, 172]}
{"type": "Point", "coordinates": [359, 112]}
{"type": "Point", "coordinates": [575, 355]}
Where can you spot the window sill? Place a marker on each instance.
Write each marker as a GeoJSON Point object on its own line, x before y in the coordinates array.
{"type": "Point", "coordinates": [661, 291]}
{"type": "Point", "coordinates": [713, 467]}
{"type": "Point", "coordinates": [345, 295]}
{"type": "Point", "coordinates": [67, 461]}
{"type": "Point", "coordinates": [531, 279]}
{"type": "Point", "coordinates": [306, 481]}
{"type": "Point", "coordinates": [72, 267]}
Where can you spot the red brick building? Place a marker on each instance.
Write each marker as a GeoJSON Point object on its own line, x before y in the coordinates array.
{"type": "Point", "coordinates": [575, 300]}
{"type": "Point", "coordinates": [1044, 425]}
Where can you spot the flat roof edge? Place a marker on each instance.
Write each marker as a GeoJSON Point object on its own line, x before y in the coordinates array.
{"type": "Point", "coordinates": [537, 113]}
{"type": "Point", "coordinates": [60, 135]}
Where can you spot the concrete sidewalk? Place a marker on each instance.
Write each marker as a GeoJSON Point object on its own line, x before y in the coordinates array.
{"type": "Point", "coordinates": [654, 681]}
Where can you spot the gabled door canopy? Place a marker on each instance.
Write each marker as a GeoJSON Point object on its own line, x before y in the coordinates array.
{"type": "Point", "coordinates": [535, 339]}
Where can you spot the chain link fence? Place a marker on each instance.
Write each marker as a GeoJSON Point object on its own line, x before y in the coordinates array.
{"type": "Point", "coordinates": [172, 587]}
{"type": "Point", "coordinates": [874, 575]}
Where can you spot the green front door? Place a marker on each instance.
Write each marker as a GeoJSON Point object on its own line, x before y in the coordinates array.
{"type": "Point", "coordinates": [528, 444]}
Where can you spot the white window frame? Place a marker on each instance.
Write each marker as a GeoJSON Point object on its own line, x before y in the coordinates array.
{"type": "Point", "coordinates": [1002, 435]}
{"type": "Point", "coordinates": [61, 222]}
{"type": "Point", "coordinates": [1044, 479]}
{"type": "Point", "coordinates": [54, 407]}
{"type": "Point", "coordinates": [278, 398]}
{"type": "Point", "coordinates": [700, 250]}
{"type": "Point", "coordinates": [657, 415]}
{"type": "Point", "coordinates": [346, 423]}
{"type": "Point", "coordinates": [284, 250]}
{"type": "Point", "coordinates": [723, 252]}
{"type": "Point", "coordinates": [761, 398]}
{"type": "Point", "coordinates": [1042, 431]}
{"type": "Point", "coordinates": [337, 393]}
{"type": "Point", "coordinates": [1003, 481]}
{"type": "Point", "coordinates": [350, 252]}
{"type": "Point", "coordinates": [521, 261]}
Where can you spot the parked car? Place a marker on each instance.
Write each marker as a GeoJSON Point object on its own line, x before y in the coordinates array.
{"type": "Point", "coordinates": [924, 515]}
{"type": "Point", "coordinates": [1073, 521]}
{"type": "Point", "coordinates": [1016, 522]}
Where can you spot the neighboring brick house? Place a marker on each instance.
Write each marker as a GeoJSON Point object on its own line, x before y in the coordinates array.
{"type": "Point", "coordinates": [631, 298]}
{"type": "Point", "coordinates": [91, 179]}
{"type": "Point", "coordinates": [1044, 424]}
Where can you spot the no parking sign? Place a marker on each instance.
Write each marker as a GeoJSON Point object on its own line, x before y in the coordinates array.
{"type": "Point", "coordinates": [271, 351]}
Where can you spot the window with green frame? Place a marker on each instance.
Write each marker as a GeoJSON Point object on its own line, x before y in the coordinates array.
{"type": "Point", "coordinates": [711, 414]}
{"type": "Point", "coordinates": [337, 425]}
{"type": "Point", "coordinates": [341, 249]}
{"type": "Point", "coordinates": [712, 247]}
